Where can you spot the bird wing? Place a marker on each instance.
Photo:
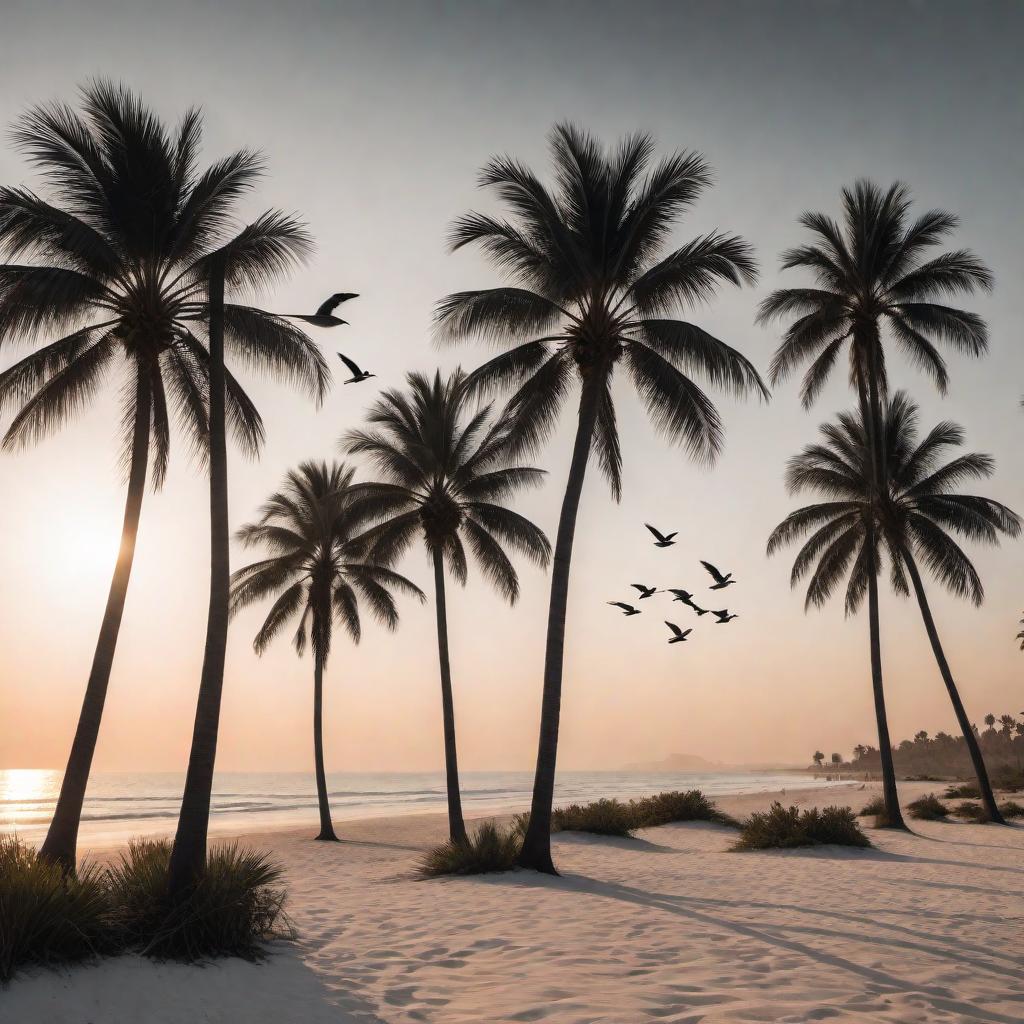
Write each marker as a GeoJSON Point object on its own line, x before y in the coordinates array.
{"type": "Point", "coordinates": [356, 372]}
{"type": "Point", "coordinates": [654, 531]}
{"type": "Point", "coordinates": [328, 306]}
{"type": "Point", "coordinates": [675, 629]}
{"type": "Point", "coordinates": [718, 577]}
{"type": "Point", "coordinates": [622, 604]}
{"type": "Point", "coordinates": [640, 587]}
{"type": "Point", "coordinates": [724, 611]}
{"type": "Point", "coordinates": [688, 632]}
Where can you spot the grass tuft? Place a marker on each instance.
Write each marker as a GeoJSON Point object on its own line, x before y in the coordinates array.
{"type": "Point", "coordinates": [963, 790]}
{"type": "Point", "coordinates": [490, 848]}
{"type": "Point", "coordinates": [1012, 809]}
{"type": "Point", "coordinates": [928, 808]}
{"type": "Point", "coordinates": [873, 808]}
{"type": "Point", "coordinates": [45, 917]}
{"type": "Point", "coordinates": [972, 810]}
{"type": "Point", "coordinates": [783, 828]}
{"type": "Point", "coordinates": [601, 817]}
{"type": "Point", "coordinates": [676, 806]}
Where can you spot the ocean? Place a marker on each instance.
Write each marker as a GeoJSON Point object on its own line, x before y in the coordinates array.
{"type": "Point", "coordinates": [120, 805]}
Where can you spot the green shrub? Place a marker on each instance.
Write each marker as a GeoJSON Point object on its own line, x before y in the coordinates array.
{"type": "Point", "coordinates": [787, 827]}
{"type": "Point", "coordinates": [972, 811]}
{"type": "Point", "coordinates": [873, 808]}
{"type": "Point", "coordinates": [490, 848]}
{"type": "Point", "coordinates": [236, 906]}
{"type": "Point", "coordinates": [928, 808]}
{"type": "Point", "coordinates": [963, 790]}
{"type": "Point", "coordinates": [1012, 809]}
{"type": "Point", "coordinates": [45, 917]}
{"type": "Point", "coordinates": [666, 808]}
{"type": "Point", "coordinates": [601, 817]}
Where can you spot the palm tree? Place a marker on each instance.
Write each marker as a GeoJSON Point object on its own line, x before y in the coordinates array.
{"type": "Point", "coordinates": [316, 572]}
{"type": "Point", "coordinates": [116, 265]}
{"type": "Point", "coordinates": [592, 285]}
{"type": "Point", "coordinates": [915, 521]}
{"type": "Point", "coordinates": [875, 271]}
{"type": "Point", "coordinates": [446, 472]}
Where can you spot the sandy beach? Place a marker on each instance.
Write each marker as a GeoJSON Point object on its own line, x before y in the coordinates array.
{"type": "Point", "coordinates": [667, 927]}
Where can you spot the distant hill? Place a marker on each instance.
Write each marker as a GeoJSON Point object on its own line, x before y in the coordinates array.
{"type": "Point", "coordinates": [675, 763]}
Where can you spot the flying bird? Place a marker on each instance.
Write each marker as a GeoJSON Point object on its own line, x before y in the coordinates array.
{"type": "Point", "coordinates": [357, 374]}
{"type": "Point", "coordinates": [721, 582]}
{"type": "Point", "coordinates": [724, 616]}
{"type": "Point", "coordinates": [644, 591]}
{"type": "Point", "coordinates": [661, 540]}
{"type": "Point", "coordinates": [687, 598]}
{"type": "Point", "coordinates": [324, 316]}
{"type": "Point", "coordinates": [678, 635]}
{"type": "Point", "coordinates": [627, 609]}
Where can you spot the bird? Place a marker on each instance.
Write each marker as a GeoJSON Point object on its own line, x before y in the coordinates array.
{"type": "Point", "coordinates": [661, 540]}
{"type": "Point", "coordinates": [723, 616]}
{"type": "Point", "coordinates": [357, 374]}
{"type": "Point", "coordinates": [687, 598]}
{"type": "Point", "coordinates": [627, 609]}
{"type": "Point", "coordinates": [678, 635]}
{"type": "Point", "coordinates": [644, 591]}
{"type": "Point", "coordinates": [721, 582]}
{"type": "Point", "coordinates": [324, 316]}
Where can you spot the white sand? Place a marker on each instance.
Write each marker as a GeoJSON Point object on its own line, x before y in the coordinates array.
{"type": "Point", "coordinates": [670, 927]}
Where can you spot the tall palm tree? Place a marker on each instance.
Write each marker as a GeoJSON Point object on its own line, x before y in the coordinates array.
{"type": "Point", "coordinates": [116, 265]}
{"type": "Point", "coordinates": [592, 284]}
{"type": "Point", "coordinates": [446, 473]}
{"type": "Point", "coordinates": [915, 520]}
{"type": "Point", "coordinates": [875, 272]}
{"type": "Point", "coordinates": [316, 572]}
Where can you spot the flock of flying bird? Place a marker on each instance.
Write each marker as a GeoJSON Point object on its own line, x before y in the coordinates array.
{"type": "Point", "coordinates": [324, 317]}
{"type": "Point", "coordinates": [721, 581]}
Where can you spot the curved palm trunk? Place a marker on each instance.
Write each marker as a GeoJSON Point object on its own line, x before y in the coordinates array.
{"type": "Point", "coordinates": [188, 856]}
{"type": "Point", "coordinates": [536, 852]}
{"type": "Point", "coordinates": [61, 843]}
{"type": "Point", "coordinates": [893, 815]}
{"type": "Point", "coordinates": [326, 826]}
{"type": "Point", "coordinates": [984, 786]}
{"type": "Point", "coordinates": [456, 824]}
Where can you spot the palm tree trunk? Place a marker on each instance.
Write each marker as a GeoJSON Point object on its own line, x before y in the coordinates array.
{"type": "Point", "coordinates": [536, 852]}
{"type": "Point", "coordinates": [61, 843]}
{"type": "Point", "coordinates": [456, 825]}
{"type": "Point", "coordinates": [984, 786]}
{"type": "Point", "coordinates": [188, 856]}
{"type": "Point", "coordinates": [893, 815]}
{"type": "Point", "coordinates": [326, 826]}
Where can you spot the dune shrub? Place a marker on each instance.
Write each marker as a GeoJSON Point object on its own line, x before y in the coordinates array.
{"type": "Point", "coordinates": [963, 790]}
{"type": "Point", "coordinates": [783, 828]}
{"type": "Point", "coordinates": [873, 808]}
{"type": "Point", "coordinates": [676, 806]}
{"type": "Point", "coordinates": [47, 918]}
{"type": "Point", "coordinates": [236, 906]}
{"type": "Point", "coordinates": [928, 808]}
{"type": "Point", "coordinates": [601, 817]}
{"type": "Point", "coordinates": [489, 849]}
{"type": "Point", "coordinates": [1012, 809]}
{"type": "Point", "coordinates": [971, 810]}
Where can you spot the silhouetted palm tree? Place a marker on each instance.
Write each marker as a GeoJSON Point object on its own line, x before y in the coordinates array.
{"type": "Point", "coordinates": [915, 519]}
{"type": "Point", "coordinates": [875, 272]}
{"type": "Point", "coordinates": [316, 572]}
{"type": "Point", "coordinates": [117, 266]}
{"type": "Point", "coordinates": [447, 472]}
{"type": "Point", "coordinates": [592, 287]}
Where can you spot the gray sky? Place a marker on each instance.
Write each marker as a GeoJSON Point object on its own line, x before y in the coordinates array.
{"type": "Point", "coordinates": [375, 119]}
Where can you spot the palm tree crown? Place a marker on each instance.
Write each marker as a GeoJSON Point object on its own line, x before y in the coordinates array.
{"type": "Point", "coordinates": [875, 269]}
{"type": "Point", "coordinates": [920, 512]}
{"type": "Point", "coordinates": [120, 262]}
{"type": "Point", "coordinates": [446, 471]}
{"type": "Point", "coordinates": [317, 571]}
{"type": "Point", "coordinates": [592, 286]}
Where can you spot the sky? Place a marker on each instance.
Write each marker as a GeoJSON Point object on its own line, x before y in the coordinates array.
{"type": "Point", "coordinates": [374, 119]}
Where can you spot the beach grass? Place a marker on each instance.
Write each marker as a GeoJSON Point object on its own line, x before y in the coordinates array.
{"type": "Point", "coordinates": [873, 808]}
{"type": "Point", "coordinates": [963, 791]}
{"type": "Point", "coordinates": [490, 848]}
{"type": "Point", "coordinates": [783, 828]}
{"type": "Point", "coordinates": [928, 808]}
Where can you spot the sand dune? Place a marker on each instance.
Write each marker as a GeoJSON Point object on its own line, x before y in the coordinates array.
{"type": "Point", "coordinates": [669, 927]}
